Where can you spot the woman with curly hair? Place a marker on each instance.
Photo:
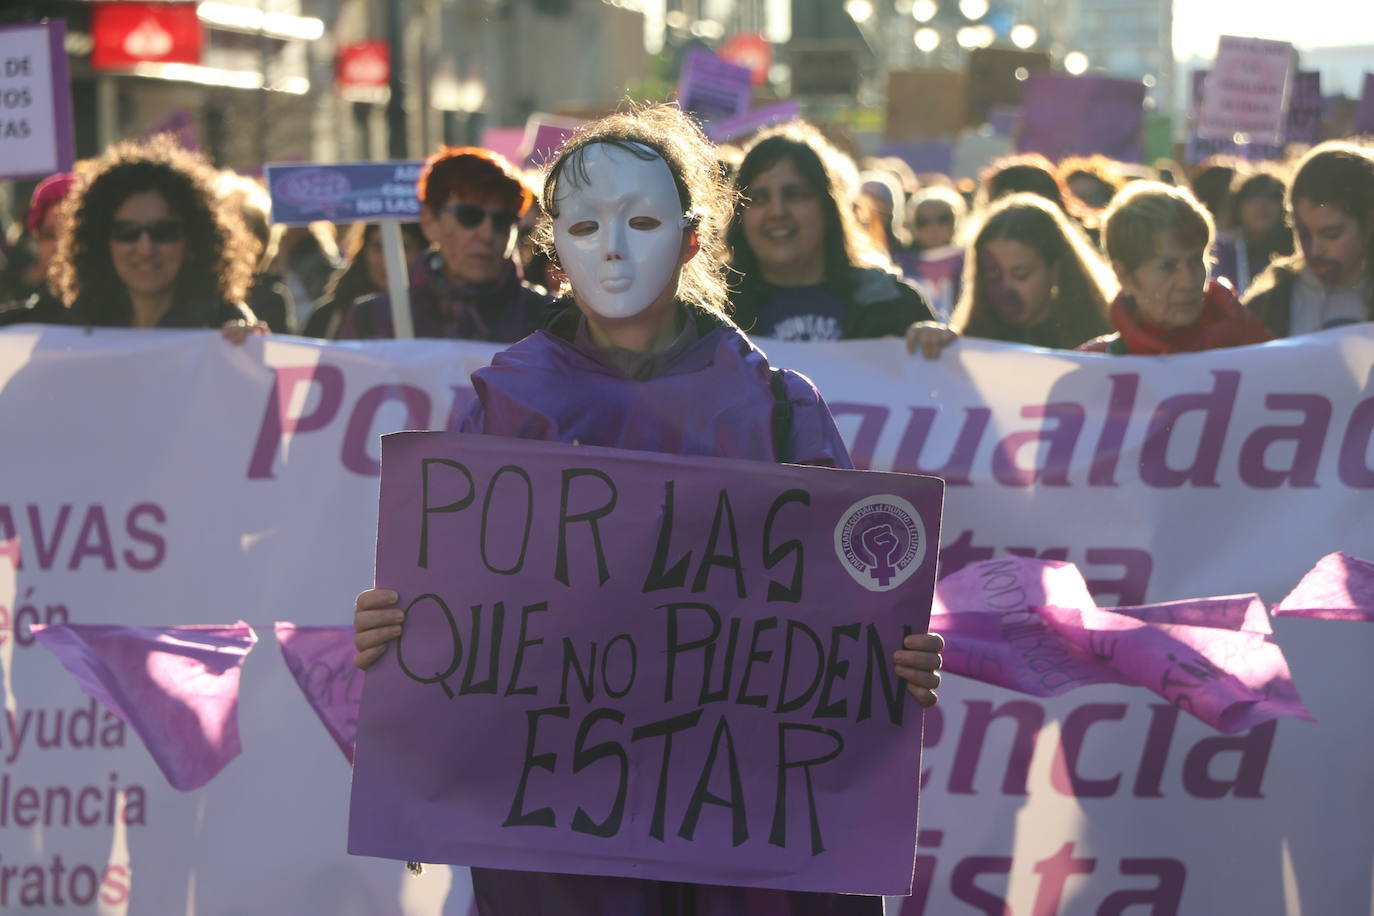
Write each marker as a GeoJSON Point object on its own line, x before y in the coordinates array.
{"type": "Point", "coordinates": [146, 246]}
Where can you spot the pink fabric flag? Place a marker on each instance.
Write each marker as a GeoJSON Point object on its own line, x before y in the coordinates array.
{"type": "Point", "coordinates": [321, 661]}
{"type": "Point", "coordinates": [1339, 587]}
{"type": "Point", "coordinates": [1031, 626]}
{"type": "Point", "coordinates": [177, 687]}
{"type": "Point", "coordinates": [987, 612]}
{"type": "Point", "coordinates": [1228, 673]}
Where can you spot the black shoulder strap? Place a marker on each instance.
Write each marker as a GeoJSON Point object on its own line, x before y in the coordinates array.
{"type": "Point", "coordinates": [782, 415]}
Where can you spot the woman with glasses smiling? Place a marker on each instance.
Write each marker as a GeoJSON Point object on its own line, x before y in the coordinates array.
{"type": "Point", "coordinates": [468, 286]}
{"type": "Point", "coordinates": [146, 246]}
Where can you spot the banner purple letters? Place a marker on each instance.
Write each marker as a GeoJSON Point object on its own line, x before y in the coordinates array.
{"type": "Point", "coordinates": [630, 664]}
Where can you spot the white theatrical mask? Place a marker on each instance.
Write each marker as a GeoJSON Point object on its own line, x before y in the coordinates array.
{"type": "Point", "coordinates": [619, 233]}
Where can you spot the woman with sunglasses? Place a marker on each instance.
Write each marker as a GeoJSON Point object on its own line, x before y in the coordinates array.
{"type": "Point", "coordinates": [469, 285]}
{"type": "Point", "coordinates": [146, 245]}
{"type": "Point", "coordinates": [641, 356]}
{"type": "Point", "coordinates": [935, 263]}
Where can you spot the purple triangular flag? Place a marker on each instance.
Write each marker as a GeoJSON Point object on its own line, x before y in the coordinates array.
{"type": "Point", "coordinates": [1031, 626]}
{"type": "Point", "coordinates": [987, 613]}
{"type": "Point", "coordinates": [321, 661]}
{"type": "Point", "coordinates": [177, 687]}
{"type": "Point", "coordinates": [1229, 676]}
{"type": "Point", "coordinates": [1339, 587]}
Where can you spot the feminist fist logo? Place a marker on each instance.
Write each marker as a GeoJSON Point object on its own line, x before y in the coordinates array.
{"type": "Point", "coordinates": [881, 542]}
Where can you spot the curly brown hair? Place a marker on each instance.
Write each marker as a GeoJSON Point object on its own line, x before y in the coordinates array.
{"type": "Point", "coordinates": [220, 252]}
{"type": "Point", "coordinates": [678, 141]}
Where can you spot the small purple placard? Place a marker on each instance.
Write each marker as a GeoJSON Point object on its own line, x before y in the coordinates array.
{"type": "Point", "coordinates": [628, 664]}
{"type": "Point", "coordinates": [36, 117]}
{"type": "Point", "coordinates": [1064, 115]}
{"type": "Point", "coordinates": [1364, 114]}
{"type": "Point", "coordinates": [714, 89]}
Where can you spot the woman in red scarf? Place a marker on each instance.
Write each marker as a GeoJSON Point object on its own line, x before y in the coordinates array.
{"type": "Point", "coordinates": [1157, 238]}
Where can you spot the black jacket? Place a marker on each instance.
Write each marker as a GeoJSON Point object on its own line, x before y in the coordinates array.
{"type": "Point", "coordinates": [878, 304]}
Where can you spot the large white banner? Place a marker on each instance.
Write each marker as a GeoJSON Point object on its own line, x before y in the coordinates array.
{"type": "Point", "coordinates": [168, 478]}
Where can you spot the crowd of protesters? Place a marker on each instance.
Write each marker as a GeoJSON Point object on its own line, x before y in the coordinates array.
{"type": "Point", "coordinates": [1085, 254]}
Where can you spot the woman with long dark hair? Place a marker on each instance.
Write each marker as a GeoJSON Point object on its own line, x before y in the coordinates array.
{"type": "Point", "coordinates": [803, 269]}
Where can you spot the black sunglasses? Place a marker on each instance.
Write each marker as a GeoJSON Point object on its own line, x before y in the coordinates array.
{"type": "Point", "coordinates": [162, 231]}
{"type": "Point", "coordinates": [470, 216]}
{"type": "Point", "coordinates": [943, 219]}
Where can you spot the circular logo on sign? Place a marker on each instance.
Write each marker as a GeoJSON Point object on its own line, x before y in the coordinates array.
{"type": "Point", "coordinates": [881, 542]}
{"type": "Point", "coordinates": [313, 187]}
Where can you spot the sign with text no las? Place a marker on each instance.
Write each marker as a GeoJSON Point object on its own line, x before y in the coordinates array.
{"type": "Point", "coordinates": [627, 664]}
{"type": "Point", "coordinates": [343, 192]}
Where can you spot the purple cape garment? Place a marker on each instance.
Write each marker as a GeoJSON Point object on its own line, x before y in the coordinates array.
{"type": "Point", "coordinates": [711, 398]}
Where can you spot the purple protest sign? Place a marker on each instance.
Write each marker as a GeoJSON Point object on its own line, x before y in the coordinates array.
{"type": "Point", "coordinates": [750, 121]}
{"type": "Point", "coordinates": [508, 141]}
{"type": "Point", "coordinates": [321, 661]}
{"type": "Point", "coordinates": [1339, 587]}
{"type": "Point", "coordinates": [654, 666]}
{"type": "Point", "coordinates": [1364, 114]}
{"type": "Point", "coordinates": [1247, 91]}
{"type": "Point", "coordinates": [1064, 115]}
{"type": "Point", "coordinates": [544, 134]}
{"type": "Point", "coordinates": [36, 90]}
{"type": "Point", "coordinates": [714, 89]}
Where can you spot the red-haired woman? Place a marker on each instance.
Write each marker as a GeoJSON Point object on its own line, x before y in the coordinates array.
{"type": "Point", "coordinates": [469, 285]}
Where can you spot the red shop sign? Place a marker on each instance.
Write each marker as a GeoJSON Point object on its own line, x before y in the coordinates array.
{"type": "Point", "coordinates": [125, 34]}
{"type": "Point", "coordinates": [364, 65]}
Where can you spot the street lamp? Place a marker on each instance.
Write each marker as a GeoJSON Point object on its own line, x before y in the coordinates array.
{"type": "Point", "coordinates": [1076, 62]}
{"type": "Point", "coordinates": [927, 40]}
{"type": "Point", "coordinates": [859, 10]}
{"type": "Point", "coordinates": [973, 9]}
{"type": "Point", "coordinates": [924, 10]}
{"type": "Point", "coordinates": [1023, 36]}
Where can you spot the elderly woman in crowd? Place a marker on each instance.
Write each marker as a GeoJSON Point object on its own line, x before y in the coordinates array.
{"type": "Point", "coordinates": [1157, 238]}
{"type": "Point", "coordinates": [805, 270]}
{"type": "Point", "coordinates": [469, 285]}
{"type": "Point", "coordinates": [147, 246]}
{"type": "Point", "coordinates": [1330, 281]}
{"type": "Point", "coordinates": [1033, 278]}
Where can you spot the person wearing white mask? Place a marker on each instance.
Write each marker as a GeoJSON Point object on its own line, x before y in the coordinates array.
{"type": "Point", "coordinates": [641, 355]}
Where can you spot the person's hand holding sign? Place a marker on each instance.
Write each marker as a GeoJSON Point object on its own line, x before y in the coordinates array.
{"type": "Point", "coordinates": [377, 622]}
{"type": "Point", "coordinates": [918, 663]}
